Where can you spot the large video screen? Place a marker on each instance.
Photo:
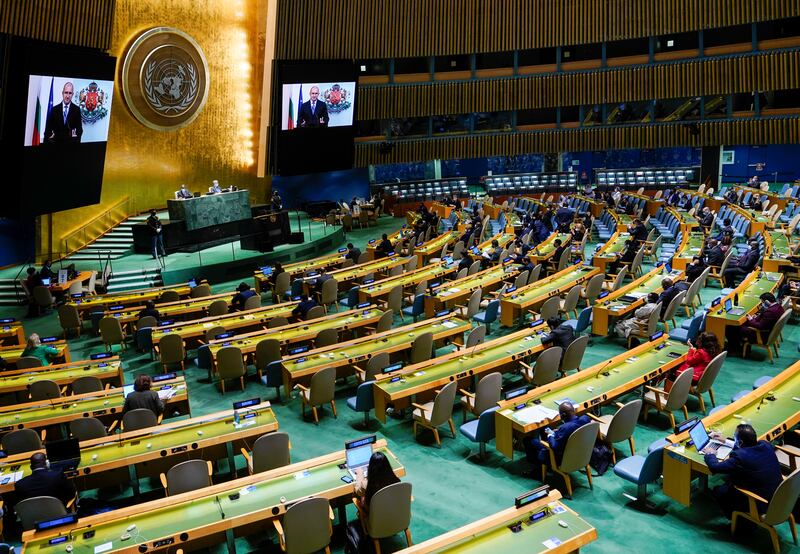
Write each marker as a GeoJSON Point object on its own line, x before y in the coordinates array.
{"type": "Point", "coordinates": [307, 105]}
{"type": "Point", "coordinates": [55, 111]}
{"type": "Point", "coordinates": [67, 110]}
{"type": "Point", "coordinates": [313, 112]}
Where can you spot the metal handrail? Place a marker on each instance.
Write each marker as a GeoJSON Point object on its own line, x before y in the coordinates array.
{"type": "Point", "coordinates": [109, 223]}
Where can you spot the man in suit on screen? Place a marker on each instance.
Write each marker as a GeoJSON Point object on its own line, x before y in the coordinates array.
{"type": "Point", "coordinates": [64, 120]}
{"type": "Point", "coordinates": [313, 113]}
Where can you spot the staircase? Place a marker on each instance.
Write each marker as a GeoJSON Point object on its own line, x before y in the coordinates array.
{"type": "Point", "coordinates": [117, 242]}
{"type": "Point", "coordinates": [134, 279]}
{"type": "Point", "coordinates": [8, 296]}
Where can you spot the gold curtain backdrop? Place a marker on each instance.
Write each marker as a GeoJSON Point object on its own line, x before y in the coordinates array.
{"type": "Point", "coordinates": [745, 73]}
{"type": "Point", "coordinates": [365, 29]}
{"type": "Point", "coordinates": [147, 165]}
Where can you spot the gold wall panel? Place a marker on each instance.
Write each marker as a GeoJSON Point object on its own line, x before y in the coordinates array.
{"type": "Point", "coordinates": [75, 22]}
{"type": "Point", "coordinates": [364, 29]}
{"type": "Point", "coordinates": [148, 165]}
{"type": "Point", "coordinates": [762, 71]}
{"type": "Point", "coordinates": [762, 131]}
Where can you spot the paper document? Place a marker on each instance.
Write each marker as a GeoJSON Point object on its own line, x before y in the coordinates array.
{"type": "Point", "coordinates": [535, 414]}
{"type": "Point", "coordinates": [449, 324]}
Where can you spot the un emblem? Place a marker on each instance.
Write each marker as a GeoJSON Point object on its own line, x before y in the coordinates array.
{"type": "Point", "coordinates": [165, 78]}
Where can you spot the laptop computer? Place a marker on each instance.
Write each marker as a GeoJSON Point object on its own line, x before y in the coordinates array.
{"type": "Point", "coordinates": [706, 445]}
{"type": "Point", "coordinates": [46, 281]}
{"type": "Point", "coordinates": [64, 455]}
{"type": "Point", "coordinates": [731, 309]}
{"type": "Point", "coordinates": [126, 390]}
{"type": "Point", "coordinates": [357, 454]}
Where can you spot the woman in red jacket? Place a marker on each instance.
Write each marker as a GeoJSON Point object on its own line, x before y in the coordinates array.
{"type": "Point", "coordinates": [697, 359]}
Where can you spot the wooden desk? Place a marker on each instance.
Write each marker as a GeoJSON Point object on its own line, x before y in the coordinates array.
{"type": "Point", "coordinates": [753, 286]}
{"type": "Point", "coordinates": [770, 419]}
{"type": "Point", "coordinates": [196, 329]}
{"type": "Point", "coordinates": [381, 266]}
{"type": "Point", "coordinates": [774, 198]}
{"type": "Point", "coordinates": [343, 356]}
{"type": "Point", "coordinates": [105, 405]}
{"type": "Point", "coordinates": [607, 253]}
{"type": "Point", "coordinates": [192, 520]}
{"type": "Point", "coordinates": [381, 289]}
{"type": "Point", "coordinates": [758, 222]}
{"type": "Point", "coordinates": [298, 332]}
{"type": "Point", "coordinates": [13, 353]}
{"type": "Point", "coordinates": [441, 210]}
{"type": "Point", "coordinates": [607, 381]}
{"type": "Point", "coordinates": [777, 249]}
{"type": "Point", "coordinates": [595, 208]}
{"type": "Point", "coordinates": [169, 310]}
{"type": "Point", "coordinates": [12, 333]}
{"type": "Point", "coordinates": [545, 249]}
{"type": "Point", "coordinates": [691, 245]}
{"type": "Point", "coordinates": [128, 298]}
{"type": "Point", "coordinates": [501, 354]}
{"type": "Point", "coordinates": [530, 297]}
{"type": "Point", "coordinates": [108, 370]}
{"type": "Point", "coordinates": [433, 247]}
{"type": "Point", "coordinates": [492, 210]}
{"type": "Point", "coordinates": [61, 288]}
{"type": "Point", "coordinates": [623, 302]}
{"type": "Point", "coordinates": [651, 205]}
{"type": "Point", "coordinates": [492, 533]}
{"type": "Point", "coordinates": [447, 295]}
{"type": "Point", "coordinates": [503, 239]}
{"type": "Point", "coordinates": [686, 222]}
{"type": "Point", "coordinates": [397, 239]}
{"type": "Point", "coordinates": [713, 203]}
{"type": "Point", "coordinates": [154, 450]}
{"type": "Point", "coordinates": [296, 269]}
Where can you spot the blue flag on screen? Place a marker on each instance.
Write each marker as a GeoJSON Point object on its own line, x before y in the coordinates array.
{"type": "Point", "coordinates": [300, 100]}
{"type": "Point", "coordinates": [50, 102]}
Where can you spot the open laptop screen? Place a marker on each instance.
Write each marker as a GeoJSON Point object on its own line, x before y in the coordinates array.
{"type": "Point", "coordinates": [699, 435]}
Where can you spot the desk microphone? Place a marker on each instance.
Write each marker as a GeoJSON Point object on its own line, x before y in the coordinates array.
{"type": "Point", "coordinates": [608, 362]}
{"type": "Point", "coordinates": [221, 513]}
{"type": "Point", "coordinates": [761, 401]}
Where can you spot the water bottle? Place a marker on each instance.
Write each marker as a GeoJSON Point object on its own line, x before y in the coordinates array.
{"type": "Point", "coordinates": [736, 299]}
{"type": "Point", "coordinates": [236, 417]}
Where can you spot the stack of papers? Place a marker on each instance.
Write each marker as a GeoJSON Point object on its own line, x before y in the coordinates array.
{"type": "Point", "coordinates": [535, 414]}
{"type": "Point", "coordinates": [449, 324]}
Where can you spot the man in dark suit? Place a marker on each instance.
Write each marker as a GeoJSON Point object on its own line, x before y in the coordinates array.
{"type": "Point", "coordinates": [313, 113]}
{"type": "Point", "coordinates": [560, 334]}
{"type": "Point", "coordinates": [752, 465]}
{"type": "Point", "coordinates": [740, 266]}
{"type": "Point", "coordinates": [627, 256]}
{"type": "Point", "coordinates": [301, 310]}
{"type": "Point", "coordinates": [537, 454]}
{"type": "Point", "coordinates": [670, 291]}
{"type": "Point", "coordinates": [44, 481]}
{"type": "Point", "coordinates": [760, 324]}
{"type": "Point", "coordinates": [353, 253]}
{"type": "Point", "coordinates": [64, 120]}
{"type": "Point", "coordinates": [243, 292]}
{"type": "Point", "coordinates": [714, 254]}
{"type": "Point", "coordinates": [638, 231]}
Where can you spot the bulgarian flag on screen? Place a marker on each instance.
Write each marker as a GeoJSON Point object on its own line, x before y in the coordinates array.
{"type": "Point", "coordinates": [290, 120]}
{"type": "Point", "coordinates": [37, 116]}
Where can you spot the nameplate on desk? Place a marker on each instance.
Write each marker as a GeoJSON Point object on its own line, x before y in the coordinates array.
{"type": "Point", "coordinates": [657, 336]}
{"type": "Point", "coordinates": [7, 320]}
{"type": "Point", "coordinates": [246, 403]}
{"type": "Point", "coordinates": [342, 250]}
{"type": "Point", "coordinates": [100, 356]}
{"type": "Point", "coordinates": [298, 350]}
{"type": "Point", "coordinates": [443, 313]}
{"type": "Point", "coordinates": [166, 322]}
{"type": "Point", "coordinates": [179, 449]}
{"type": "Point", "coordinates": [373, 241]}
{"type": "Point", "coordinates": [531, 496]}
{"type": "Point", "coordinates": [49, 339]}
{"type": "Point", "coordinates": [165, 377]}
{"type": "Point", "coordinates": [363, 305]}
{"type": "Point", "coordinates": [116, 308]}
{"type": "Point", "coordinates": [537, 323]}
{"type": "Point", "coordinates": [223, 336]}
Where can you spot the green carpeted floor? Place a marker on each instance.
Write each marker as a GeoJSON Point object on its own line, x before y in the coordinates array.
{"type": "Point", "coordinates": [452, 488]}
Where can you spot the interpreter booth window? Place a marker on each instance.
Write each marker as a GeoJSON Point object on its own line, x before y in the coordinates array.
{"type": "Point", "coordinates": [570, 116]}
{"type": "Point", "coordinates": [537, 60]}
{"type": "Point", "coordinates": [452, 67]}
{"type": "Point", "coordinates": [369, 128]}
{"type": "Point", "coordinates": [627, 52]}
{"type": "Point", "coordinates": [542, 118]}
{"type": "Point", "coordinates": [494, 64]}
{"type": "Point", "coordinates": [727, 40]}
{"type": "Point", "coordinates": [781, 101]}
{"type": "Point", "coordinates": [450, 124]}
{"type": "Point", "coordinates": [371, 68]}
{"type": "Point", "coordinates": [779, 29]}
{"type": "Point", "coordinates": [493, 121]}
{"type": "Point", "coordinates": [715, 106]}
{"type": "Point", "coordinates": [407, 127]}
{"type": "Point", "coordinates": [584, 56]}
{"type": "Point", "coordinates": [409, 70]}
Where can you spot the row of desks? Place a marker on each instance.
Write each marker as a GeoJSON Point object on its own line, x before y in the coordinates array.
{"type": "Point", "coordinates": [304, 331]}
{"type": "Point", "coordinates": [108, 370]}
{"type": "Point", "coordinates": [748, 292]}
{"type": "Point", "coordinates": [188, 307]}
{"type": "Point", "coordinates": [420, 380]}
{"type": "Point", "coordinates": [297, 269]}
{"type": "Point", "coordinates": [155, 449]}
{"type": "Point", "coordinates": [196, 329]}
{"type": "Point", "coordinates": [379, 290]}
{"type": "Point", "coordinates": [199, 518]}
{"type": "Point", "coordinates": [11, 354]}
{"type": "Point", "coordinates": [624, 301]}
{"type": "Point", "coordinates": [772, 410]}
{"type": "Point", "coordinates": [457, 292]}
{"type": "Point", "coordinates": [530, 297]}
{"type": "Point", "coordinates": [105, 405]}
{"type": "Point", "coordinates": [586, 389]}
{"type": "Point", "coordinates": [128, 298]}
{"type": "Point", "coordinates": [342, 356]}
